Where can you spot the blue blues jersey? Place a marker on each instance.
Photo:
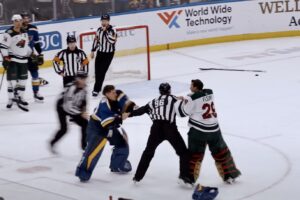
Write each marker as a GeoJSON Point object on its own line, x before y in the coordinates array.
{"type": "Point", "coordinates": [124, 102]}
{"type": "Point", "coordinates": [34, 40]}
{"type": "Point", "coordinates": [108, 113]}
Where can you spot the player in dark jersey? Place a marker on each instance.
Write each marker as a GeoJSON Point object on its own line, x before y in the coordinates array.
{"type": "Point", "coordinates": [36, 58]}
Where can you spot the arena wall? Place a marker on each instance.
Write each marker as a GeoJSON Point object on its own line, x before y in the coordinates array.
{"type": "Point", "coordinates": [192, 24]}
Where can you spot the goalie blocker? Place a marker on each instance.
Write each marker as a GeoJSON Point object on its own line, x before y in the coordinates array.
{"type": "Point", "coordinates": [105, 125]}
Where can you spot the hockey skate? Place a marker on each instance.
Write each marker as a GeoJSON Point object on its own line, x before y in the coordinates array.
{"type": "Point", "coordinates": [53, 149]}
{"type": "Point", "coordinates": [185, 181]}
{"type": "Point", "coordinates": [21, 103]}
{"type": "Point", "coordinates": [9, 103]}
{"type": "Point", "coordinates": [38, 98]}
{"type": "Point", "coordinates": [231, 178]}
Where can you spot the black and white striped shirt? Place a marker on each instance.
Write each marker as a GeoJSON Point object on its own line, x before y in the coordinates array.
{"type": "Point", "coordinates": [159, 109]}
{"type": "Point", "coordinates": [105, 40]}
{"type": "Point", "coordinates": [73, 99]}
{"type": "Point", "coordinates": [72, 62]}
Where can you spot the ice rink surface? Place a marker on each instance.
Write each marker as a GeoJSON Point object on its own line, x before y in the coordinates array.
{"type": "Point", "coordinates": [259, 117]}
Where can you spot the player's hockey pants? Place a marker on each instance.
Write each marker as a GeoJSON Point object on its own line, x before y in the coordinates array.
{"type": "Point", "coordinates": [102, 63]}
{"type": "Point", "coordinates": [17, 74]}
{"type": "Point", "coordinates": [78, 119]}
{"type": "Point", "coordinates": [197, 142]}
{"type": "Point", "coordinates": [34, 71]}
{"type": "Point", "coordinates": [161, 131]}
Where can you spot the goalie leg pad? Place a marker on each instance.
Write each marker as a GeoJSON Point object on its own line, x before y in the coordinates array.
{"type": "Point", "coordinates": [118, 161]}
{"type": "Point", "coordinates": [95, 146]}
{"type": "Point", "coordinates": [195, 165]}
{"type": "Point", "coordinates": [225, 164]}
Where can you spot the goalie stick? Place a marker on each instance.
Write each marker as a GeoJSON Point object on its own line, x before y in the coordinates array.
{"type": "Point", "coordinates": [234, 70]}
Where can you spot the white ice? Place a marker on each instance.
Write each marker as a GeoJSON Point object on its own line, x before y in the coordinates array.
{"type": "Point", "coordinates": [259, 116]}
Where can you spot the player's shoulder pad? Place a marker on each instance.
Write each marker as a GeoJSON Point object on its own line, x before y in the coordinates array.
{"type": "Point", "coordinates": [104, 104]}
{"type": "Point", "coordinates": [31, 26]}
{"type": "Point", "coordinates": [9, 31]}
{"type": "Point", "coordinates": [208, 91]}
{"type": "Point", "coordinates": [198, 95]}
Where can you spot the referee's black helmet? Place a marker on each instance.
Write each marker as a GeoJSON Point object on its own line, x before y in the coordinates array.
{"type": "Point", "coordinates": [164, 88]}
{"type": "Point", "coordinates": [105, 17]}
{"type": "Point", "coordinates": [71, 39]}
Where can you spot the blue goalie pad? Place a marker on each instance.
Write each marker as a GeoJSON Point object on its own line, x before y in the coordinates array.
{"type": "Point", "coordinates": [205, 193]}
{"type": "Point", "coordinates": [119, 162]}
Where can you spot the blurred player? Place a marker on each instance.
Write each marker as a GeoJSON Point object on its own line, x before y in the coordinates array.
{"type": "Point", "coordinates": [35, 59]}
{"type": "Point", "coordinates": [162, 113]}
{"type": "Point", "coordinates": [72, 103]}
{"type": "Point", "coordinates": [15, 51]}
{"type": "Point", "coordinates": [104, 44]}
{"type": "Point", "coordinates": [73, 59]}
{"type": "Point", "coordinates": [105, 125]}
{"type": "Point", "coordinates": [205, 130]}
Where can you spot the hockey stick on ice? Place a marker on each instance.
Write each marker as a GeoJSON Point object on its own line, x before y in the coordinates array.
{"type": "Point", "coordinates": [233, 70]}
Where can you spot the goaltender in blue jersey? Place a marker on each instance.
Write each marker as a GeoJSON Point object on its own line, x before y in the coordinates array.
{"type": "Point", "coordinates": [105, 125]}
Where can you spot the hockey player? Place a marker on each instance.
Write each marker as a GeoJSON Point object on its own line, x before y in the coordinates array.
{"type": "Point", "coordinates": [162, 113]}
{"type": "Point", "coordinates": [15, 51]}
{"type": "Point", "coordinates": [205, 130]}
{"type": "Point", "coordinates": [73, 59]}
{"type": "Point", "coordinates": [72, 103]}
{"type": "Point", "coordinates": [35, 59]}
{"type": "Point", "coordinates": [105, 125]}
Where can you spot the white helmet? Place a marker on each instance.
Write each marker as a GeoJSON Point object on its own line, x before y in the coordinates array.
{"type": "Point", "coordinates": [16, 17]}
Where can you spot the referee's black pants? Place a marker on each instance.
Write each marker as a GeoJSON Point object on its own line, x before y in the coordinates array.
{"type": "Point", "coordinates": [102, 64]}
{"type": "Point", "coordinates": [161, 131]}
{"type": "Point", "coordinates": [78, 119]}
{"type": "Point", "coordinates": [68, 79]}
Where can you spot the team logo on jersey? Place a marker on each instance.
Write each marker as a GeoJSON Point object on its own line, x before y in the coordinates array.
{"type": "Point", "coordinates": [21, 43]}
{"type": "Point", "coordinates": [170, 18]}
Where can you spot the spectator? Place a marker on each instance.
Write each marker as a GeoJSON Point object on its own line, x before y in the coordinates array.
{"type": "Point", "coordinates": [121, 5]}
{"type": "Point", "coordinates": [100, 7]}
{"type": "Point", "coordinates": [64, 9]}
{"type": "Point", "coordinates": [80, 8]}
{"type": "Point", "coordinates": [134, 5]}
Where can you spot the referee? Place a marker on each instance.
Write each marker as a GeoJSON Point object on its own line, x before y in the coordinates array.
{"type": "Point", "coordinates": [104, 44]}
{"type": "Point", "coordinates": [162, 113]}
{"type": "Point", "coordinates": [73, 59]}
{"type": "Point", "coordinates": [72, 103]}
